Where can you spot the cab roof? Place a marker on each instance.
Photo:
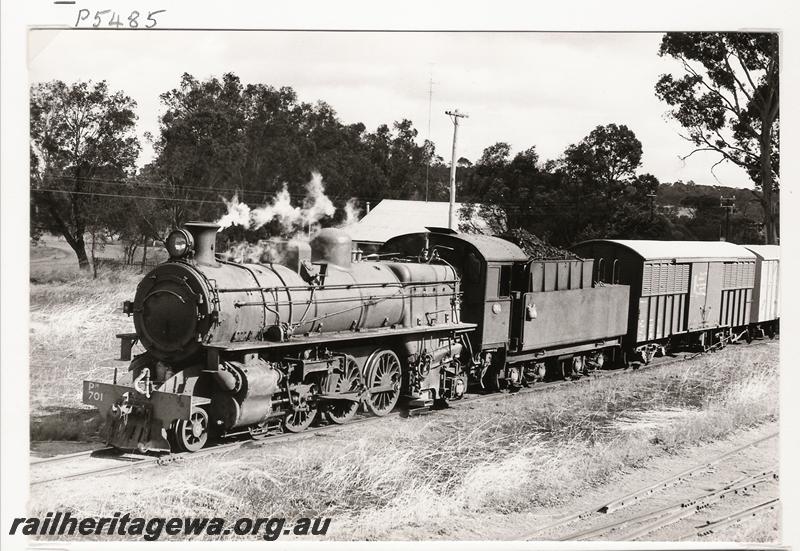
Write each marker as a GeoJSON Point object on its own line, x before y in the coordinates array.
{"type": "Point", "coordinates": [492, 249]}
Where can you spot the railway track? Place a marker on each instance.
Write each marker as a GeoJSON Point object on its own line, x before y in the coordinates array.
{"type": "Point", "coordinates": [712, 526]}
{"type": "Point", "coordinates": [637, 526]}
{"type": "Point", "coordinates": [104, 461]}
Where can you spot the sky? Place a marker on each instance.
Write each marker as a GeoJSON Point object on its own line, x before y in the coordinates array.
{"type": "Point", "coordinates": [547, 90]}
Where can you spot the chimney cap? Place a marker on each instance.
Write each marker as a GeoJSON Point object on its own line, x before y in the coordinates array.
{"type": "Point", "coordinates": [202, 225]}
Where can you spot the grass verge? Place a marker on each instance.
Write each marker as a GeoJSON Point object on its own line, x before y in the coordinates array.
{"type": "Point", "coordinates": [73, 322]}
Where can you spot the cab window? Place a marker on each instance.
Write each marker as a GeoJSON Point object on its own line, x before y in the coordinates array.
{"type": "Point", "coordinates": [505, 282]}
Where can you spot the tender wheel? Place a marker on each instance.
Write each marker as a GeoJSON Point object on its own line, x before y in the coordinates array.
{"type": "Point", "coordinates": [349, 381]}
{"type": "Point", "coordinates": [192, 434]}
{"type": "Point", "coordinates": [568, 370]}
{"type": "Point", "coordinates": [491, 380]}
{"type": "Point", "coordinates": [383, 379]}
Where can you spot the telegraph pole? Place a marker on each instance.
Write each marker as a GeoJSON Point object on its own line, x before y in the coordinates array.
{"type": "Point", "coordinates": [727, 203]}
{"type": "Point", "coordinates": [454, 115]}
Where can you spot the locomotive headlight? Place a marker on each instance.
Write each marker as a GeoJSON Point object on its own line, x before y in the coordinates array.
{"type": "Point", "coordinates": [179, 243]}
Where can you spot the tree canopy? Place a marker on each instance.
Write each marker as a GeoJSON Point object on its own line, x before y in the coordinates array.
{"type": "Point", "coordinates": [592, 190]}
{"type": "Point", "coordinates": [82, 144]}
{"type": "Point", "coordinates": [728, 101]}
{"type": "Point", "coordinates": [220, 137]}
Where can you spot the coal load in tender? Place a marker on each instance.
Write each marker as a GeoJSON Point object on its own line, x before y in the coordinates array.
{"type": "Point", "coordinates": [535, 248]}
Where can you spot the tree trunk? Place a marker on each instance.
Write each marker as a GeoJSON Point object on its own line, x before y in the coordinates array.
{"type": "Point", "coordinates": [79, 246]}
{"type": "Point", "coordinates": [76, 243]}
{"type": "Point", "coordinates": [767, 183]}
{"type": "Point", "coordinates": [94, 257]}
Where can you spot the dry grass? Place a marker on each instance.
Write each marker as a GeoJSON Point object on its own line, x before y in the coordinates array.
{"type": "Point", "coordinates": [73, 322]}
{"type": "Point", "coordinates": [459, 473]}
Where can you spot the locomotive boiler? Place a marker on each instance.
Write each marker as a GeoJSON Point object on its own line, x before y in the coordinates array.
{"type": "Point", "coordinates": [239, 347]}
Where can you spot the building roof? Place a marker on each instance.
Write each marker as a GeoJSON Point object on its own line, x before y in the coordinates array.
{"type": "Point", "coordinates": [766, 252]}
{"type": "Point", "coordinates": [393, 217]}
{"type": "Point", "coordinates": [682, 250]}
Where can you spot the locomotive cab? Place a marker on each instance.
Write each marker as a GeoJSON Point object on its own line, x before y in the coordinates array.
{"type": "Point", "coordinates": [491, 271]}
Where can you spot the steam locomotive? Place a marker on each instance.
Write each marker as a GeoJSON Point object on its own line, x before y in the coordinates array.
{"type": "Point", "coordinates": [253, 348]}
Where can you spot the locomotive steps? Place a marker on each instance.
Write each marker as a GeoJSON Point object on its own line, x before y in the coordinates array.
{"type": "Point", "coordinates": [490, 469]}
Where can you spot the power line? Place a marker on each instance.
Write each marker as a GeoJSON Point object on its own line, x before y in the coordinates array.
{"type": "Point", "coordinates": [552, 210]}
{"type": "Point", "coordinates": [99, 194]}
{"type": "Point", "coordinates": [134, 183]}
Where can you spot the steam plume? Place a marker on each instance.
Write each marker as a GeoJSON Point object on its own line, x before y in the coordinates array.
{"type": "Point", "coordinates": [292, 219]}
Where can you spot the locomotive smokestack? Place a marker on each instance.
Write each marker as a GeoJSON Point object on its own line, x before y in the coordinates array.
{"type": "Point", "coordinates": [205, 239]}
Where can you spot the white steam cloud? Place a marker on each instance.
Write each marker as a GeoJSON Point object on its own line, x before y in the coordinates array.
{"type": "Point", "coordinates": [351, 212]}
{"type": "Point", "coordinates": [292, 219]}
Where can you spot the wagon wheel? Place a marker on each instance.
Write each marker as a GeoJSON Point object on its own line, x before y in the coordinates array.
{"type": "Point", "coordinates": [383, 380]}
{"type": "Point", "coordinates": [567, 369]}
{"type": "Point", "coordinates": [342, 411]}
{"type": "Point", "coordinates": [298, 420]}
{"type": "Point", "coordinates": [191, 434]}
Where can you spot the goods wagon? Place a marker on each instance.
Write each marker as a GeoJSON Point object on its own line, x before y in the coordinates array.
{"type": "Point", "coordinates": [765, 308]}
{"type": "Point", "coordinates": [696, 292]}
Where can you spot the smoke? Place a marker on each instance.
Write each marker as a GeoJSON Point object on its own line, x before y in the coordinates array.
{"type": "Point", "coordinates": [238, 214]}
{"type": "Point", "coordinates": [351, 212]}
{"type": "Point", "coordinates": [316, 204]}
{"type": "Point", "coordinates": [266, 250]}
{"type": "Point", "coordinates": [280, 208]}
{"type": "Point", "coordinates": [292, 219]}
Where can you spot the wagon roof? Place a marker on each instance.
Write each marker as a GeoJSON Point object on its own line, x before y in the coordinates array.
{"type": "Point", "coordinates": [682, 250]}
{"type": "Point", "coordinates": [765, 252]}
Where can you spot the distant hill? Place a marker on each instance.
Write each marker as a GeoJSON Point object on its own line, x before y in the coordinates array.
{"type": "Point", "coordinates": [697, 208]}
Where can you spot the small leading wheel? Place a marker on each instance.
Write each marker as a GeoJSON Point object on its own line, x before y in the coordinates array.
{"type": "Point", "coordinates": [342, 411]}
{"type": "Point", "coordinates": [299, 420]}
{"type": "Point", "coordinates": [383, 380]}
{"type": "Point", "coordinates": [192, 434]}
{"type": "Point", "coordinates": [300, 416]}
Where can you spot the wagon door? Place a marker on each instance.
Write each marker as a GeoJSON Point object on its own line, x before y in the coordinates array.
{"type": "Point", "coordinates": [714, 293]}
{"type": "Point", "coordinates": [697, 314]}
{"type": "Point", "coordinates": [705, 297]}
